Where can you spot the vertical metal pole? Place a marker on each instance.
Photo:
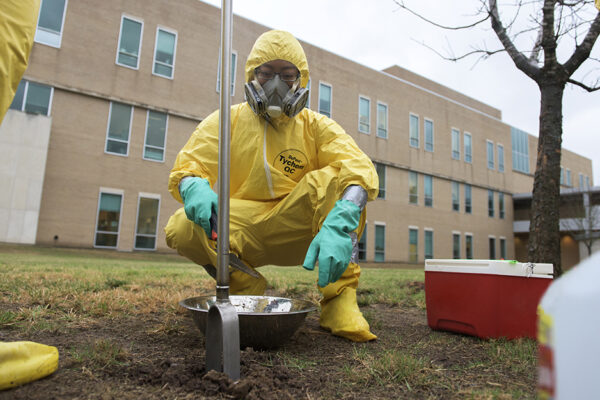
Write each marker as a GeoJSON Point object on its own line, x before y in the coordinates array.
{"type": "Point", "coordinates": [224, 153]}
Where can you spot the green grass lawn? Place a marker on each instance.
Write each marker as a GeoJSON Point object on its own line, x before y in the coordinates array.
{"type": "Point", "coordinates": [54, 290]}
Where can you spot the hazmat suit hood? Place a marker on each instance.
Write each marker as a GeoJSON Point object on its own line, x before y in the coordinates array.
{"type": "Point", "coordinates": [277, 45]}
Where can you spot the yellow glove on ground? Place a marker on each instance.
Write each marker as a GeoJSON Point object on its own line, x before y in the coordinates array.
{"type": "Point", "coordinates": [23, 362]}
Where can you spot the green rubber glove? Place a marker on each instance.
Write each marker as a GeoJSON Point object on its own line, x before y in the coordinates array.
{"type": "Point", "coordinates": [332, 246]}
{"type": "Point", "coordinates": [199, 201]}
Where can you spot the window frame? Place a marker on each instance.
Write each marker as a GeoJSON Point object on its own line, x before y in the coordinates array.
{"type": "Point", "coordinates": [426, 143]}
{"type": "Point", "coordinates": [468, 249]}
{"type": "Point", "coordinates": [427, 196]}
{"type": "Point", "coordinates": [233, 72]}
{"type": "Point", "coordinates": [381, 194]}
{"type": "Point", "coordinates": [110, 110]}
{"type": "Point", "coordinates": [368, 100]}
{"type": "Point", "coordinates": [413, 258]}
{"type": "Point", "coordinates": [491, 211]}
{"type": "Point", "coordinates": [456, 245]}
{"type": "Point", "coordinates": [500, 154]}
{"type": "Point", "coordinates": [468, 199]}
{"type": "Point", "coordinates": [411, 137]}
{"type": "Point", "coordinates": [154, 196]}
{"type": "Point", "coordinates": [502, 246]}
{"type": "Point", "coordinates": [362, 241]}
{"type": "Point", "coordinates": [154, 61]}
{"type": "Point", "coordinates": [569, 181]}
{"type": "Point", "coordinates": [119, 192]}
{"type": "Point", "coordinates": [501, 206]}
{"type": "Point", "coordinates": [426, 231]}
{"type": "Point", "coordinates": [491, 163]}
{"type": "Point", "coordinates": [455, 153]}
{"type": "Point", "coordinates": [519, 150]}
{"type": "Point", "coordinates": [455, 190]}
{"type": "Point", "coordinates": [320, 111]}
{"type": "Point", "coordinates": [412, 196]}
{"type": "Point", "coordinates": [141, 21]}
{"type": "Point", "coordinates": [468, 154]}
{"type": "Point", "coordinates": [492, 248]}
{"type": "Point", "coordinates": [37, 39]}
{"type": "Point", "coordinates": [381, 252]}
{"type": "Point", "coordinates": [26, 92]}
{"type": "Point", "coordinates": [164, 148]}
{"type": "Point", "coordinates": [382, 104]}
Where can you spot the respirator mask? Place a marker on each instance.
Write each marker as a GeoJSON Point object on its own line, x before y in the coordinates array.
{"type": "Point", "coordinates": [275, 96]}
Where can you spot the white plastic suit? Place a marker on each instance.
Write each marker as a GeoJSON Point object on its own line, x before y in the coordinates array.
{"type": "Point", "coordinates": [285, 178]}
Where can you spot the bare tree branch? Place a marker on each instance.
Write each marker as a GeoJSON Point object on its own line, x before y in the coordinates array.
{"type": "Point", "coordinates": [482, 52]}
{"type": "Point", "coordinates": [454, 28]}
{"type": "Point", "coordinates": [582, 85]}
{"type": "Point", "coordinates": [520, 61]}
{"type": "Point", "coordinates": [583, 50]}
{"type": "Point", "coordinates": [537, 47]}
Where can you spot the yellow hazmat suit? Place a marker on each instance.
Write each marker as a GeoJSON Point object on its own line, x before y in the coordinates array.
{"type": "Point", "coordinates": [18, 19]}
{"type": "Point", "coordinates": [284, 180]}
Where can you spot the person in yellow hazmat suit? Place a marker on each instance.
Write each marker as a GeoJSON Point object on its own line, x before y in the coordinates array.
{"type": "Point", "coordinates": [298, 187]}
{"type": "Point", "coordinates": [18, 19]}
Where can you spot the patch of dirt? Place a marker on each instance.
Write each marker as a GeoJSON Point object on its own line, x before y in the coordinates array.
{"type": "Point", "coordinates": [158, 363]}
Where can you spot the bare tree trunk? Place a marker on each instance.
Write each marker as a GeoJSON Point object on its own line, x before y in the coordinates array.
{"type": "Point", "coordinates": [544, 232]}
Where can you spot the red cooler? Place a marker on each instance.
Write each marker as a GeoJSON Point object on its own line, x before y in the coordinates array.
{"type": "Point", "coordinates": [485, 298]}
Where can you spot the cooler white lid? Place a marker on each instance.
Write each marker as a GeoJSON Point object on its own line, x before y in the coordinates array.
{"type": "Point", "coordinates": [494, 267]}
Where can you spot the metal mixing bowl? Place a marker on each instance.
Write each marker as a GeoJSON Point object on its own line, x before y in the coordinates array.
{"type": "Point", "coordinates": [265, 321]}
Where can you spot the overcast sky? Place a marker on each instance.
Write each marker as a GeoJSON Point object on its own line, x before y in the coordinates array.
{"type": "Point", "coordinates": [378, 34]}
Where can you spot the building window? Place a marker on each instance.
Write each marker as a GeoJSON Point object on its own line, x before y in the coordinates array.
{"type": "Point", "coordinates": [50, 24]}
{"type": "Point", "coordinates": [456, 246]}
{"type": "Point", "coordinates": [379, 243]}
{"type": "Point", "coordinates": [119, 128]}
{"type": "Point", "coordinates": [562, 175]}
{"type": "Point", "coordinates": [413, 130]}
{"type": "Point", "coordinates": [490, 203]}
{"type": "Point", "coordinates": [490, 154]}
{"type": "Point", "coordinates": [587, 182]}
{"type": "Point", "coordinates": [147, 222]}
{"type": "Point", "coordinates": [108, 218]}
{"type": "Point", "coordinates": [502, 248]}
{"type": "Point", "coordinates": [325, 99]}
{"type": "Point", "coordinates": [380, 168]}
{"type": "Point", "coordinates": [428, 244]}
{"type": "Point", "coordinates": [455, 196]}
{"type": "Point", "coordinates": [468, 202]}
{"type": "Point", "coordinates": [492, 245]}
{"type": "Point", "coordinates": [32, 98]}
{"type": "Point", "coordinates": [232, 70]}
{"type": "Point", "coordinates": [130, 42]}
{"type": "Point", "coordinates": [364, 114]}
{"type": "Point", "coordinates": [382, 120]}
{"type": "Point", "coordinates": [500, 158]}
{"type": "Point", "coordinates": [580, 180]}
{"type": "Point", "coordinates": [362, 246]}
{"type": "Point", "coordinates": [164, 53]}
{"type": "Point", "coordinates": [569, 183]}
{"type": "Point", "coordinates": [455, 144]}
{"type": "Point", "coordinates": [413, 188]}
{"type": "Point", "coordinates": [428, 135]}
{"type": "Point", "coordinates": [308, 99]}
{"type": "Point", "coordinates": [468, 147]}
{"type": "Point", "coordinates": [520, 150]}
{"type": "Point", "coordinates": [469, 247]}
{"type": "Point", "coordinates": [501, 205]}
{"type": "Point", "coordinates": [428, 187]}
{"type": "Point", "coordinates": [156, 135]}
{"type": "Point", "coordinates": [413, 245]}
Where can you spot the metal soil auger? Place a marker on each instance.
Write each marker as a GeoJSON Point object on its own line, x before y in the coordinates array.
{"type": "Point", "coordinates": [223, 328]}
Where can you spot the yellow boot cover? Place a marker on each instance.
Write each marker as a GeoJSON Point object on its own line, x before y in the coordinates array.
{"type": "Point", "coordinates": [339, 310]}
{"type": "Point", "coordinates": [23, 362]}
